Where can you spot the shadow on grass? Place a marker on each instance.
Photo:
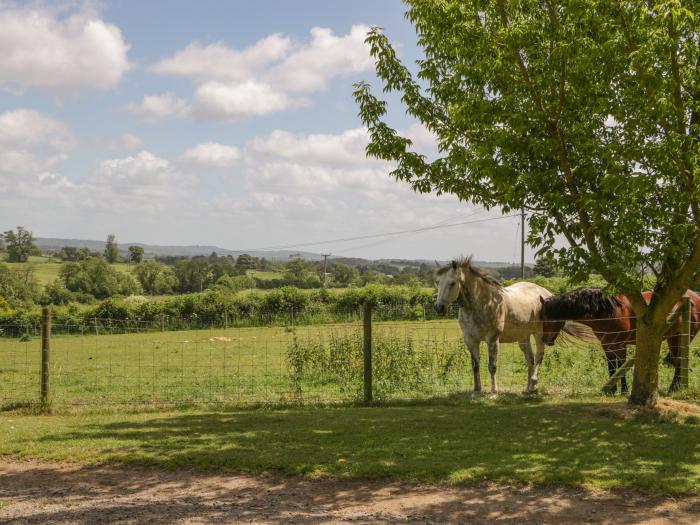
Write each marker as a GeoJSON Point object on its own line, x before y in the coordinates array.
{"type": "Point", "coordinates": [522, 442]}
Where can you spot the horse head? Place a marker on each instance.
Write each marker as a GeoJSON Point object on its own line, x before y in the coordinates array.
{"type": "Point", "coordinates": [551, 327]}
{"type": "Point", "coordinates": [449, 281]}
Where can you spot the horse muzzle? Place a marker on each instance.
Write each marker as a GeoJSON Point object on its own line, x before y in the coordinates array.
{"type": "Point", "coordinates": [440, 308]}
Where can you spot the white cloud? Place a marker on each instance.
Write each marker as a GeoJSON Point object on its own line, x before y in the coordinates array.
{"type": "Point", "coordinates": [22, 128]}
{"type": "Point", "coordinates": [61, 54]}
{"type": "Point", "coordinates": [212, 154]}
{"type": "Point", "coordinates": [31, 144]}
{"type": "Point", "coordinates": [238, 100]}
{"type": "Point", "coordinates": [347, 148]}
{"type": "Point", "coordinates": [217, 61]}
{"type": "Point", "coordinates": [311, 67]}
{"type": "Point", "coordinates": [144, 177]}
{"type": "Point", "coordinates": [155, 107]}
{"type": "Point", "coordinates": [289, 188]}
{"type": "Point", "coordinates": [334, 165]}
{"type": "Point", "coordinates": [125, 142]}
{"type": "Point", "coordinates": [269, 76]}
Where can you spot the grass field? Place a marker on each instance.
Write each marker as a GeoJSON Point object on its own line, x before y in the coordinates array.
{"type": "Point", "coordinates": [46, 268]}
{"type": "Point", "coordinates": [412, 360]}
{"type": "Point", "coordinates": [265, 275]}
{"type": "Point", "coordinates": [456, 440]}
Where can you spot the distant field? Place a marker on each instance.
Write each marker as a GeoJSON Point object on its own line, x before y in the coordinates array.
{"type": "Point", "coordinates": [264, 275]}
{"type": "Point", "coordinates": [46, 268]}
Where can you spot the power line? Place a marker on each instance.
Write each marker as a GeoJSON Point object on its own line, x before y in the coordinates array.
{"type": "Point", "coordinates": [378, 235]}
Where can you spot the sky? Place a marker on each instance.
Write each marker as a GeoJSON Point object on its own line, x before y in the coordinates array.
{"type": "Point", "coordinates": [227, 123]}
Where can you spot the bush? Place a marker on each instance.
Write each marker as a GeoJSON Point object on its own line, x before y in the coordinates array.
{"type": "Point", "coordinates": [113, 308]}
{"type": "Point", "coordinates": [18, 286]}
{"type": "Point", "coordinates": [56, 293]}
{"type": "Point", "coordinates": [401, 365]}
{"type": "Point", "coordinates": [96, 277]}
{"type": "Point", "coordinates": [5, 307]}
{"type": "Point", "coordinates": [215, 307]}
{"type": "Point", "coordinates": [558, 285]}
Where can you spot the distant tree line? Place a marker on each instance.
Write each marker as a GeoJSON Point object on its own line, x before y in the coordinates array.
{"type": "Point", "coordinates": [87, 276]}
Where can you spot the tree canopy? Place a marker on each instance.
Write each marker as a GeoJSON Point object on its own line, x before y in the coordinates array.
{"type": "Point", "coordinates": [19, 244]}
{"type": "Point", "coordinates": [111, 252]}
{"type": "Point", "coordinates": [587, 114]}
{"type": "Point", "coordinates": [136, 254]}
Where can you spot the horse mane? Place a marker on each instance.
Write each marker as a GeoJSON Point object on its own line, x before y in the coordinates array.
{"type": "Point", "coordinates": [582, 303]}
{"type": "Point", "coordinates": [465, 263]}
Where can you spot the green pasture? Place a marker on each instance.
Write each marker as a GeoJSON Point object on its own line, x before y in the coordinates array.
{"type": "Point", "coordinates": [265, 275]}
{"type": "Point", "coordinates": [455, 440]}
{"type": "Point", "coordinates": [238, 366]}
{"type": "Point", "coordinates": [46, 268]}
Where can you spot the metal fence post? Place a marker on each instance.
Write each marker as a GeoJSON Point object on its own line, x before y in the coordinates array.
{"type": "Point", "coordinates": [367, 350]}
{"type": "Point", "coordinates": [685, 342]}
{"type": "Point", "coordinates": [45, 353]}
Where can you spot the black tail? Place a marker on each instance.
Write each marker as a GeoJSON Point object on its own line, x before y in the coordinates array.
{"type": "Point", "coordinates": [668, 360]}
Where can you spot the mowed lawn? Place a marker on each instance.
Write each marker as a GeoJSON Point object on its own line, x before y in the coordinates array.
{"type": "Point", "coordinates": [251, 365]}
{"type": "Point", "coordinates": [505, 439]}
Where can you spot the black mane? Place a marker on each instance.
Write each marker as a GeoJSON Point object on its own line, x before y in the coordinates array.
{"type": "Point", "coordinates": [582, 303]}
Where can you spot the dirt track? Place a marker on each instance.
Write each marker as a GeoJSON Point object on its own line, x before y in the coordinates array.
{"type": "Point", "coordinates": [42, 493]}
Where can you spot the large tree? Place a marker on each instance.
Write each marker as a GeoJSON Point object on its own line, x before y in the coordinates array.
{"type": "Point", "coordinates": [111, 252]}
{"type": "Point", "coordinates": [585, 113]}
{"type": "Point", "coordinates": [20, 244]}
{"type": "Point", "coordinates": [136, 254]}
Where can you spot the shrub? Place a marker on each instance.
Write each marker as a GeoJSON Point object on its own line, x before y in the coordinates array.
{"type": "Point", "coordinates": [56, 293]}
{"type": "Point", "coordinates": [96, 277]}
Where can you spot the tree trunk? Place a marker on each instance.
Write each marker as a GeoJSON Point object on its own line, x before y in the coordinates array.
{"type": "Point", "coordinates": [645, 389]}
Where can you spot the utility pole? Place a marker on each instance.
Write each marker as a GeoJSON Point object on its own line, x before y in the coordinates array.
{"type": "Point", "coordinates": [522, 243]}
{"type": "Point", "coordinates": [325, 262]}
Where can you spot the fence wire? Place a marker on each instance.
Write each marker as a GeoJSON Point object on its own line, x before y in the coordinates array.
{"type": "Point", "coordinates": [127, 363]}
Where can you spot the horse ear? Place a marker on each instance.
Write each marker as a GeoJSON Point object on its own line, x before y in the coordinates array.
{"type": "Point", "coordinates": [542, 300]}
{"type": "Point", "coordinates": [454, 265]}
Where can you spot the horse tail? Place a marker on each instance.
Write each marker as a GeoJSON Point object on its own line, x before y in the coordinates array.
{"type": "Point", "coordinates": [579, 331]}
{"type": "Point", "coordinates": [668, 360]}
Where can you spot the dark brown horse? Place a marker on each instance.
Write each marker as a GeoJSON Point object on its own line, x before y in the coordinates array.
{"type": "Point", "coordinates": [613, 322]}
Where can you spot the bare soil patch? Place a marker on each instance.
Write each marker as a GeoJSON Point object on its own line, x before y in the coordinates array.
{"type": "Point", "coordinates": [668, 410]}
{"type": "Point", "coordinates": [59, 493]}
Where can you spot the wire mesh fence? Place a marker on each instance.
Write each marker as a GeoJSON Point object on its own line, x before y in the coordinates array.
{"type": "Point", "coordinates": [127, 363]}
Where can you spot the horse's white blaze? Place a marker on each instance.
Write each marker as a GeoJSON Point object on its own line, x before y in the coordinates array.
{"type": "Point", "coordinates": [491, 313]}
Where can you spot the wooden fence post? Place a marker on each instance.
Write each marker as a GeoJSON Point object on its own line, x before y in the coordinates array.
{"type": "Point", "coordinates": [367, 350]}
{"type": "Point", "coordinates": [685, 342]}
{"type": "Point", "coordinates": [45, 353]}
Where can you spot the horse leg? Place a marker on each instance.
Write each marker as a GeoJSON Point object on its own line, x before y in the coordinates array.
{"type": "Point", "coordinates": [620, 358]}
{"type": "Point", "coordinates": [493, 362]}
{"type": "Point", "coordinates": [530, 361]}
{"type": "Point", "coordinates": [474, 351]}
{"type": "Point", "coordinates": [674, 344]}
{"type": "Point", "coordinates": [609, 357]}
{"type": "Point", "coordinates": [538, 361]}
